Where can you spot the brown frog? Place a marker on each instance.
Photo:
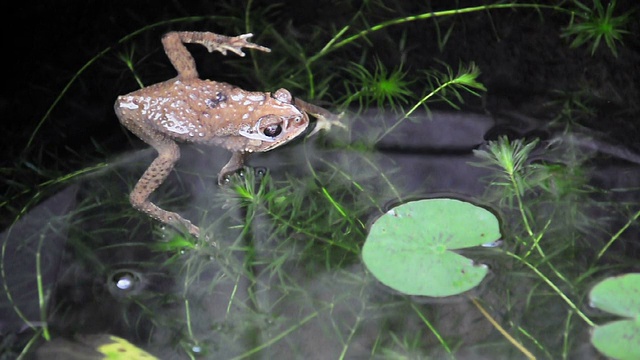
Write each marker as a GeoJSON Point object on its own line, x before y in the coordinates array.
{"type": "Point", "coordinates": [188, 109]}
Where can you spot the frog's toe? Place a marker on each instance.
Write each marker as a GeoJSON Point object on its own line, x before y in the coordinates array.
{"type": "Point", "coordinates": [225, 178]}
{"type": "Point", "coordinates": [194, 230]}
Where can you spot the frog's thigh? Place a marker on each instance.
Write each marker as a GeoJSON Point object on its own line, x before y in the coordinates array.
{"type": "Point", "coordinates": [156, 173]}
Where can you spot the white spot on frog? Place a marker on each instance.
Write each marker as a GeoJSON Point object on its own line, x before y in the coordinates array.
{"type": "Point", "coordinates": [176, 126]}
{"type": "Point", "coordinates": [129, 104]}
{"type": "Point", "coordinates": [255, 97]}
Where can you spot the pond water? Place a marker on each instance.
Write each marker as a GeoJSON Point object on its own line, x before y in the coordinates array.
{"type": "Point", "coordinates": [494, 108]}
{"type": "Point", "coordinates": [281, 274]}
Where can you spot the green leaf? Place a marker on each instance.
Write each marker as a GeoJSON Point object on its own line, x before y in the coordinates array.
{"type": "Point", "coordinates": [621, 296]}
{"type": "Point", "coordinates": [618, 339]}
{"type": "Point", "coordinates": [618, 295]}
{"type": "Point", "coordinates": [409, 247]}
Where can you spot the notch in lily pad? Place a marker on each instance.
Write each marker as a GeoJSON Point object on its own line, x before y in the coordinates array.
{"type": "Point", "coordinates": [410, 248]}
{"type": "Point", "coordinates": [620, 296]}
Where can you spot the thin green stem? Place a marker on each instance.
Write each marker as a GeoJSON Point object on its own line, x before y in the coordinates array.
{"type": "Point", "coordinates": [277, 338]}
{"type": "Point", "coordinates": [615, 237]}
{"type": "Point", "coordinates": [533, 340]}
{"type": "Point", "coordinates": [565, 336]}
{"type": "Point", "coordinates": [553, 287]}
{"type": "Point", "coordinates": [433, 330]}
{"type": "Point", "coordinates": [60, 180]}
{"type": "Point", "coordinates": [5, 285]}
{"type": "Point", "coordinates": [418, 104]}
{"type": "Point", "coordinates": [42, 303]}
{"type": "Point", "coordinates": [187, 314]}
{"type": "Point", "coordinates": [247, 13]}
{"type": "Point", "coordinates": [312, 87]}
{"type": "Point", "coordinates": [532, 236]}
{"type": "Point", "coordinates": [345, 347]}
{"type": "Point", "coordinates": [333, 44]}
{"type": "Point", "coordinates": [26, 350]}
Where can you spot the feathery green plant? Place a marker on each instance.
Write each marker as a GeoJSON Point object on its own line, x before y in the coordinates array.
{"type": "Point", "coordinates": [317, 221]}
{"type": "Point", "coordinates": [594, 24]}
{"type": "Point", "coordinates": [381, 88]}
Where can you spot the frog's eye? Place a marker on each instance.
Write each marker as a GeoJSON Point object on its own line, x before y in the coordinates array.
{"type": "Point", "coordinates": [272, 130]}
{"type": "Point", "coordinates": [282, 95]}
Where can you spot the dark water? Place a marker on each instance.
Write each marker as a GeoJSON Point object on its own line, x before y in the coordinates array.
{"type": "Point", "coordinates": [281, 273]}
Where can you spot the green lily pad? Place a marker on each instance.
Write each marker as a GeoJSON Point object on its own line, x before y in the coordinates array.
{"type": "Point", "coordinates": [620, 296]}
{"type": "Point", "coordinates": [409, 247]}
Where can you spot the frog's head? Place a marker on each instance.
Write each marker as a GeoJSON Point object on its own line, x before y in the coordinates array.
{"type": "Point", "coordinates": [279, 122]}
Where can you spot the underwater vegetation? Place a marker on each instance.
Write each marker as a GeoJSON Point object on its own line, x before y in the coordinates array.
{"type": "Point", "coordinates": [480, 198]}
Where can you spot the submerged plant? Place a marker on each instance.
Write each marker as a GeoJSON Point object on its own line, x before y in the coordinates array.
{"type": "Point", "coordinates": [511, 158]}
{"type": "Point", "coordinates": [573, 106]}
{"type": "Point", "coordinates": [445, 86]}
{"type": "Point", "coordinates": [380, 87]}
{"type": "Point", "coordinates": [596, 24]}
{"type": "Point", "coordinates": [450, 87]}
{"type": "Point", "coordinates": [280, 247]}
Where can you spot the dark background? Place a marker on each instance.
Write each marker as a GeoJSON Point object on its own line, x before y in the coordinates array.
{"type": "Point", "coordinates": [520, 53]}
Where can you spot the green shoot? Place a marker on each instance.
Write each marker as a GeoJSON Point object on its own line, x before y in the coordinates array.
{"type": "Point", "coordinates": [380, 88]}
{"type": "Point", "coordinates": [596, 24]}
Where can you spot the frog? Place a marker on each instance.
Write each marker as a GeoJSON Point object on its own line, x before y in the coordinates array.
{"type": "Point", "coordinates": [187, 109]}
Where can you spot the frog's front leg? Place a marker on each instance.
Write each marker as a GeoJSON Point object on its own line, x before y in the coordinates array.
{"type": "Point", "coordinates": [182, 60]}
{"type": "Point", "coordinates": [325, 118]}
{"type": "Point", "coordinates": [234, 164]}
{"type": "Point", "coordinates": [156, 173]}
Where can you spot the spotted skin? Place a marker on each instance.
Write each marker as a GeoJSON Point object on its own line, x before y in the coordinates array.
{"type": "Point", "coordinates": [188, 109]}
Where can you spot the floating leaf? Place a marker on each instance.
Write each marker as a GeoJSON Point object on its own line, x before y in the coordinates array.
{"type": "Point", "coordinates": [120, 349]}
{"type": "Point", "coordinates": [409, 247]}
{"type": "Point", "coordinates": [620, 296]}
{"type": "Point", "coordinates": [93, 347]}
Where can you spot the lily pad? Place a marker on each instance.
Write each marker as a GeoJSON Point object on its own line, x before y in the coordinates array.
{"type": "Point", "coordinates": [409, 247]}
{"type": "Point", "coordinates": [620, 296]}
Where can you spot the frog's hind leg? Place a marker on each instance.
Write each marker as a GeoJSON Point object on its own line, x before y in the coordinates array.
{"type": "Point", "coordinates": [156, 173]}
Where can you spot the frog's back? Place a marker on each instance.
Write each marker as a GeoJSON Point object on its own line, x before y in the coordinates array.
{"type": "Point", "coordinates": [187, 110]}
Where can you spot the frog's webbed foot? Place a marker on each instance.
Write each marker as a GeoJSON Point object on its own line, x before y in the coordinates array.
{"type": "Point", "coordinates": [325, 122]}
{"type": "Point", "coordinates": [164, 216]}
{"type": "Point", "coordinates": [325, 118]}
{"type": "Point", "coordinates": [234, 44]}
